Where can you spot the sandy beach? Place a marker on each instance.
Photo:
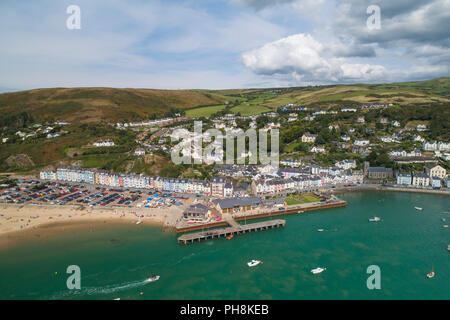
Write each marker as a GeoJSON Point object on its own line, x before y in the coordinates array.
{"type": "Point", "coordinates": [20, 220]}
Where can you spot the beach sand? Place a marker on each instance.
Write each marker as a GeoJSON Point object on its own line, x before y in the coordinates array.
{"type": "Point", "coordinates": [21, 221]}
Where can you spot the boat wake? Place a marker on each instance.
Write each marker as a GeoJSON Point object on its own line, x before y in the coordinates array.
{"type": "Point", "coordinates": [88, 291]}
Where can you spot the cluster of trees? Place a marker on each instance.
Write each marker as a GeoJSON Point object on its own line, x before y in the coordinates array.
{"type": "Point", "coordinates": [438, 115]}
{"type": "Point", "coordinates": [174, 111]}
{"type": "Point", "coordinates": [18, 120]}
{"type": "Point", "coordinates": [172, 171]}
{"type": "Point", "coordinates": [380, 158]}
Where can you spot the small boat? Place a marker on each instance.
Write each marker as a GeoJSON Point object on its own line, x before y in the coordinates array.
{"type": "Point", "coordinates": [230, 237]}
{"type": "Point", "coordinates": [320, 230]}
{"type": "Point", "coordinates": [117, 299]}
{"type": "Point", "coordinates": [374, 219]}
{"type": "Point", "coordinates": [253, 263]}
{"type": "Point", "coordinates": [431, 274]}
{"type": "Point", "coordinates": [139, 222]}
{"type": "Point", "coordinates": [153, 278]}
{"type": "Point", "coordinates": [318, 270]}
{"type": "Point", "coordinates": [418, 208]}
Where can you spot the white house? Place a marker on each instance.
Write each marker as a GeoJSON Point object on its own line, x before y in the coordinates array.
{"type": "Point", "coordinates": [361, 142]}
{"type": "Point", "coordinates": [420, 180]}
{"type": "Point", "coordinates": [418, 138]}
{"type": "Point", "coordinates": [139, 152]}
{"type": "Point", "coordinates": [333, 126]}
{"type": "Point", "coordinates": [309, 138]}
{"type": "Point", "coordinates": [52, 135]}
{"type": "Point", "coordinates": [346, 164]}
{"type": "Point", "coordinates": [383, 120]}
{"type": "Point", "coordinates": [317, 149]}
{"type": "Point", "coordinates": [228, 190]}
{"type": "Point", "coordinates": [435, 146]}
{"type": "Point", "coordinates": [386, 139]}
{"type": "Point", "coordinates": [435, 170]}
{"type": "Point", "coordinates": [397, 153]}
{"type": "Point", "coordinates": [421, 127]}
{"type": "Point", "coordinates": [404, 178]}
{"type": "Point", "coordinates": [348, 110]}
{"type": "Point", "coordinates": [104, 143]}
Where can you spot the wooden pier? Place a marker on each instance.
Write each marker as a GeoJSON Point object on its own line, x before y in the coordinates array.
{"type": "Point", "coordinates": [239, 229]}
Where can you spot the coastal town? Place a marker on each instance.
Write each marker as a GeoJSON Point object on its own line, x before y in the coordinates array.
{"type": "Point", "coordinates": [322, 152]}
{"type": "Point", "coordinates": [192, 153]}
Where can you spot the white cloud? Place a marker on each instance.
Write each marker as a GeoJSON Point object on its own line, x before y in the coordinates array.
{"type": "Point", "coordinates": [304, 58]}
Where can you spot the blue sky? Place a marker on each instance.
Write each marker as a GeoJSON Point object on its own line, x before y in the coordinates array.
{"type": "Point", "coordinates": [220, 44]}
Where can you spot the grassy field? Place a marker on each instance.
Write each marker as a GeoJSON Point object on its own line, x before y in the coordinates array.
{"type": "Point", "coordinates": [301, 199]}
{"type": "Point", "coordinates": [204, 111]}
{"type": "Point", "coordinates": [84, 105]}
{"type": "Point", "coordinates": [250, 110]}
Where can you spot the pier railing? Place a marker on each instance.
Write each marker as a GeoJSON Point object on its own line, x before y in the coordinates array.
{"type": "Point", "coordinates": [227, 232]}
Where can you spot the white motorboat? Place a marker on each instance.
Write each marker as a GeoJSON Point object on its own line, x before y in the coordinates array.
{"type": "Point", "coordinates": [318, 270]}
{"type": "Point", "coordinates": [374, 219]}
{"type": "Point", "coordinates": [139, 222]}
{"type": "Point", "coordinates": [431, 274]}
{"type": "Point", "coordinates": [153, 278]}
{"type": "Point", "coordinates": [320, 230]}
{"type": "Point", "coordinates": [418, 208]}
{"type": "Point", "coordinates": [253, 263]}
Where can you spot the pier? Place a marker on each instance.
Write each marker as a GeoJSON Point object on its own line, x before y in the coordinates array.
{"type": "Point", "coordinates": [236, 230]}
{"type": "Point", "coordinates": [299, 209]}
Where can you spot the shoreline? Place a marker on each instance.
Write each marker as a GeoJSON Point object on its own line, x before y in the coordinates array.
{"type": "Point", "coordinates": [386, 188]}
{"type": "Point", "coordinates": [47, 231]}
{"type": "Point", "coordinates": [19, 221]}
{"type": "Point", "coordinates": [51, 219]}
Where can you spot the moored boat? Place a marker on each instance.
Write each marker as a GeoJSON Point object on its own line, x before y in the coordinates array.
{"type": "Point", "coordinates": [374, 219]}
{"type": "Point", "coordinates": [318, 270]}
{"type": "Point", "coordinates": [253, 263]}
{"type": "Point", "coordinates": [431, 274]}
{"type": "Point", "coordinates": [418, 208]}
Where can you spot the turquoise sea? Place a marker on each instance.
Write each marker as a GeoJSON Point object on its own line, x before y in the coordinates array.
{"type": "Point", "coordinates": [115, 260]}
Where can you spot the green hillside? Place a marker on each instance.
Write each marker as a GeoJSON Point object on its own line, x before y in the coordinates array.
{"type": "Point", "coordinates": [97, 104]}
{"type": "Point", "coordinates": [84, 105]}
{"type": "Point", "coordinates": [90, 112]}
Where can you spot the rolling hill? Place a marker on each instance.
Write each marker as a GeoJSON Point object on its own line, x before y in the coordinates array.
{"type": "Point", "coordinates": [84, 105]}
{"type": "Point", "coordinates": [81, 105]}
{"type": "Point", "coordinates": [90, 110]}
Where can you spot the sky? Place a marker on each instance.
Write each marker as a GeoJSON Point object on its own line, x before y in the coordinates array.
{"type": "Point", "coordinates": [221, 44]}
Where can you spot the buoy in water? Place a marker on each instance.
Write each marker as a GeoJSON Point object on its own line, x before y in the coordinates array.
{"type": "Point", "coordinates": [142, 293]}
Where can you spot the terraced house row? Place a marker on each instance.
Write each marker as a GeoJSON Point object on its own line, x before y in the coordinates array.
{"type": "Point", "coordinates": [302, 182]}
{"type": "Point", "coordinates": [215, 188]}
